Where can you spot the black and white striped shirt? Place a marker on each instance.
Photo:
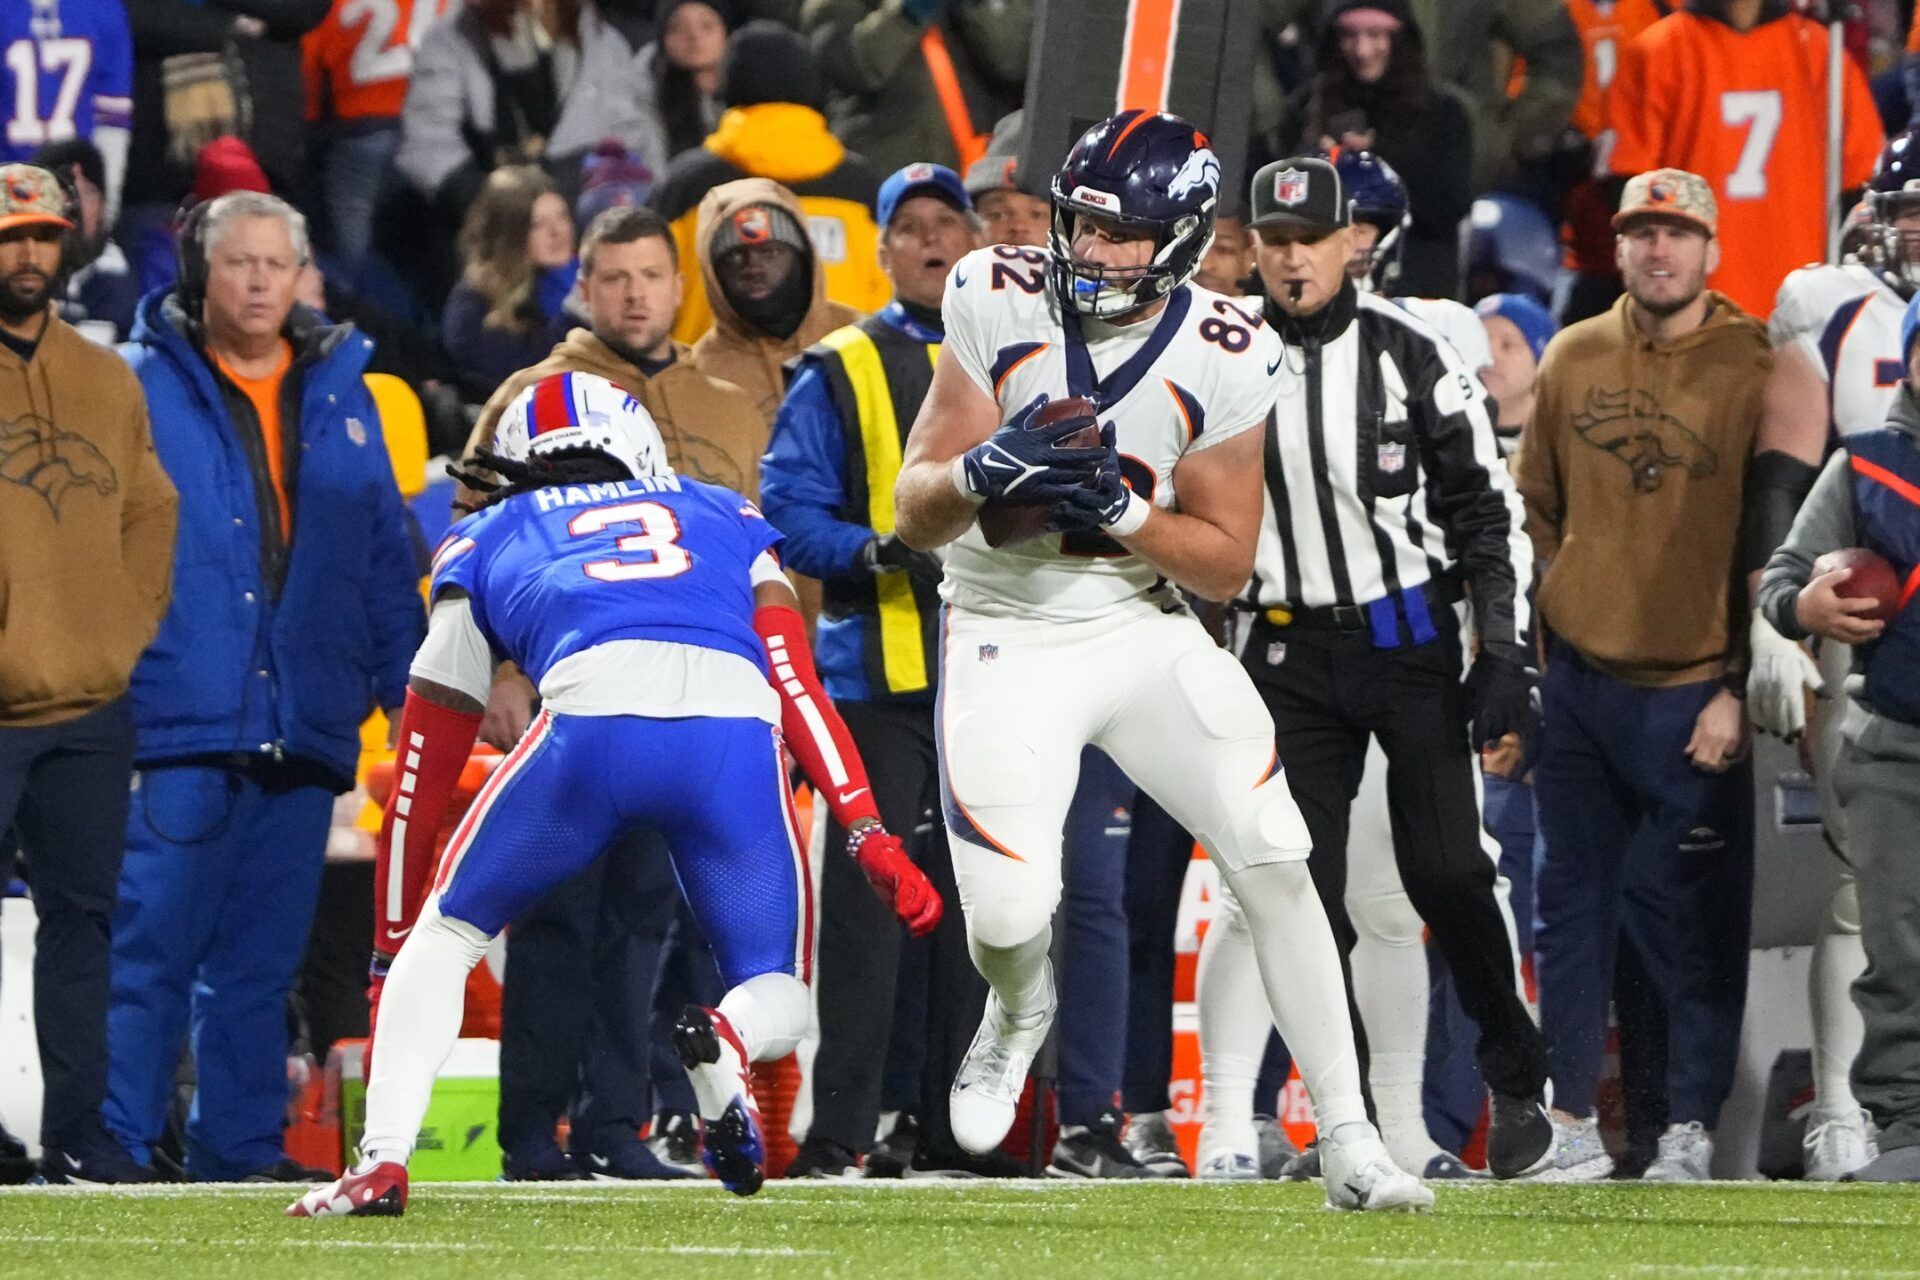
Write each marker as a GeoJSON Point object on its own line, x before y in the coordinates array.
{"type": "Point", "coordinates": [1383, 472]}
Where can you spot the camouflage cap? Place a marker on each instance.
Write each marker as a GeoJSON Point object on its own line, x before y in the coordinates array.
{"type": "Point", "coordinates": [1669, 193]}
{"type": "Point", "coordinates": [31, 196]}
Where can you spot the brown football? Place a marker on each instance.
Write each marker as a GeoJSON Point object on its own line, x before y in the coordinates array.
{"type": "Point", "coordinates": [1005, 523]}
{"type": "Point", "coordinates": [1869, 577]}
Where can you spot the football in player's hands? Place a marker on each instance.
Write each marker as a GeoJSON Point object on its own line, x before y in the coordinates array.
{"type": "Point", "coordinates": [1007, 521]}
{"type": "Point", "coordinates": [1869, 577]}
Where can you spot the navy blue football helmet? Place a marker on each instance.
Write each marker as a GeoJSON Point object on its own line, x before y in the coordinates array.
{"type": "Point", "coordinates": [1143, 170]}
{"type": "Point", "coordinates": [1511, 247]}
{"type": "Point", "coordinates": [1893, 190]}
{"type": "Point", "coordinates": [1377, 197]}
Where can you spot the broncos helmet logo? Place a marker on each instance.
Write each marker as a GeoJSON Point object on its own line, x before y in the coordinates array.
{"type": "Point", "coordinates": [1201, 169]}
{"type": "Point", "coordinates": [1648, 441]}
{"type": "Point", "coordinates": [52, 462]}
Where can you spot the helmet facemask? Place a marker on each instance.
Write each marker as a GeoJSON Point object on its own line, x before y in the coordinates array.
{"type": "Point", "coordinates": [1114, 293]}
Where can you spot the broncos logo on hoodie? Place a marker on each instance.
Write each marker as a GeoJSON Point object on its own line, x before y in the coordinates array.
{"type": "Point", "coordinates": [52, 462]}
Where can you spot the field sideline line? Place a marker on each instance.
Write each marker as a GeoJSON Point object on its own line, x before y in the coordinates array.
{"type": "Point", "coordinates": [450, 1246]}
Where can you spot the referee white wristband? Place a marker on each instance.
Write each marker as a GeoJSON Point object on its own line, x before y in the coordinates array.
{"type": "Point", "coordinates": [1132, 516]}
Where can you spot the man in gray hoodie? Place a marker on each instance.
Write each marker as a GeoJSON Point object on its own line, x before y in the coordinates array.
{"type": "Point", "coordinates": [1868, 495]}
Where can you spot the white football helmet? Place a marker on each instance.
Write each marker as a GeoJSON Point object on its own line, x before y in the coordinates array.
{"type": "Point", "coordinates": [582, 411]}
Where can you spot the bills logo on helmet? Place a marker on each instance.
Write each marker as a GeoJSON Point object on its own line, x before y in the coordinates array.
{"type": "Point", "coordinates": [1290, 187]}
{"type": "Point", "coordinates": [1201, 171]}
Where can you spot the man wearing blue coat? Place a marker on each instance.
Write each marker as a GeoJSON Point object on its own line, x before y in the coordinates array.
{"type": "Point", "coordinates": [295, 612]}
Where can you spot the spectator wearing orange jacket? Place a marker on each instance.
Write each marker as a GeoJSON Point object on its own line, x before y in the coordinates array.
{"type": "Point", "coordinates": [356, 66]}
{"type": "Point", "coordinates": [1736, 91]}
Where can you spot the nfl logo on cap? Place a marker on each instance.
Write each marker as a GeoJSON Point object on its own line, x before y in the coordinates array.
{"type": "Point", "coordinates": [1290, 187]}
{"type": "Point", "coordinates": [918, 173]}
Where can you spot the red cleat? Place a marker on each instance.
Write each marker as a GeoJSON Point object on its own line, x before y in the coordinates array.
{"type": "Point", "coordinates": [378, 1192]}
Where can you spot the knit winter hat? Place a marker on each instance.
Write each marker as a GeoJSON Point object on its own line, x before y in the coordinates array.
{"type": "Point", "coordinates": [609, 178]}
{"type": "Point", "coordinates": [758, 224]}
{"type": "Point", "coordinates": [767, 62]}
{"type": "Point", "coordinates": [1535, 322]}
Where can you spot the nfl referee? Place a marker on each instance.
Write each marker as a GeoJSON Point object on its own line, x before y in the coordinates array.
{"type": "Point", "coordinates": [1386, 501]}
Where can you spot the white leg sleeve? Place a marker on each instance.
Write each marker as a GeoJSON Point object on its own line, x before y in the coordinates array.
{"type": "Point", "coordinates": [1838, 959]}
{"type": "Point", "coordinates": [769, 1013]}
{"type": "Point", "coordinates": [1235, 1019]}
{"type": "Point", "coordinates": [1301, 969]}
{"type": "Point", "coordinates": [420, 1011]}
{"type": "Point", "coordinates": [1389, 963]}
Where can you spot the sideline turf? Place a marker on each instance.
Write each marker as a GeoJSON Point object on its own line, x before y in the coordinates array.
{"type": "Point", "coordinates": [975, 1231]}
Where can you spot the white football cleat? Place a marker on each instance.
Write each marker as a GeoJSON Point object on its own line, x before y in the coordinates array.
{"type": "Point", "coordinates": [1836, 1146]}
{"type": "Point", "coordinates": [1228, 1153]}
{"type": "Point", "coordinates": [986, 1089]}
{"type": "Point", "coordinates": [1359, 1175]}
{"type": "Point", "coordinates": [377, 1191]}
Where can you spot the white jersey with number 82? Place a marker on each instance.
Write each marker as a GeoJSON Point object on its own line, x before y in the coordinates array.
{"type": "Point", "coordinates": [1212, 370]}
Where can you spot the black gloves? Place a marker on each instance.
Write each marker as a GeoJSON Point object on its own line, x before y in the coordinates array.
{"type": "Point", "coordinates": [1499, 698]}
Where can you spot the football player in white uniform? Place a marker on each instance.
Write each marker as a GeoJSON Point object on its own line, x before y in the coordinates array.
{"type": "Point", "coordinates": [1077, 635]}
{"type": "Point", "coordinates": [1836, 370]}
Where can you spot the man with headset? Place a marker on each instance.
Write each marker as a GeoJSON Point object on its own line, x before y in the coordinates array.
{"type": "Point", "coordinates": [295, 610]}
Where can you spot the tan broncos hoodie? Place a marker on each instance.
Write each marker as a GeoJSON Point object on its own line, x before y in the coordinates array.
{"type": "Point", "coordinates": [86, 529]}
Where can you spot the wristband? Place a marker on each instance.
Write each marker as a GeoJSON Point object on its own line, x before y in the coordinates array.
{"type": "Point", "coordinates": [1133, 516]}
{"type": "Point", "coordinates": [958, 474]}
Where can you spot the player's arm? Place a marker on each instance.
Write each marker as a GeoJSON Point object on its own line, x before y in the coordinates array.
{"type": "Point", "coordinates": [1787, 448]}
{"type": "Point", "coordinates": [446, 692]}
{"type": "Point", "coordinates": [819, 740]}
{"type": "Point", "coordinates": [931, 508]}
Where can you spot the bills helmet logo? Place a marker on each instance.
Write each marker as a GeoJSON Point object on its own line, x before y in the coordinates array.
{"type": "Point", "coordinates": [52, 462]}
{"type": "Point", "coordinates": [1200, 172]}
{"type": "Point", "coordinates": [1290, 187]}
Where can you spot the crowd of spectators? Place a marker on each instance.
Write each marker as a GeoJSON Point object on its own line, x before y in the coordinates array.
{"type": "Point", "coordinates": [742, 212]}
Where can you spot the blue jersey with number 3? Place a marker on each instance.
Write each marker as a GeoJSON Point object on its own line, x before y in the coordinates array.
{"type": "Point", "coordinates": [66, 69]}
{"type": "Point", "coordinates": [562, 569]}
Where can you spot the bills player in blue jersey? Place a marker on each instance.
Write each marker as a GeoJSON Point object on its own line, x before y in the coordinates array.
{"type": "Point", "coordinates": [669, 655]}
{"type": "Point", "coordinates": [66, 71]}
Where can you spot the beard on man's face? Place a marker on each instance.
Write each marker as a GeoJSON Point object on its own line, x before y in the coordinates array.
{"type": "Point", "coordinates": [24, 294]}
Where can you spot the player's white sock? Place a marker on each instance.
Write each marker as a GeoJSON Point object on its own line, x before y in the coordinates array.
{"type": "Point", "coordinates": [769, 1013]}
{"type": "Point", "coordinates": [1838, 958]}
{"type": "Point", "coordinates": [1235, 1021]}
{"type": "Point", "coordinates": [1020, 975]}
{"type": "Point", "coordinates": [1301, 970]}
{"type": "Point", "coordinates": [1390, 987]}
{"type": "Point", "coordinates": [420, 1011]}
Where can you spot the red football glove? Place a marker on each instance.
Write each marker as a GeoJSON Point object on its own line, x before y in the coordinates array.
{"type": "Point", "coordinates": [900, 884]}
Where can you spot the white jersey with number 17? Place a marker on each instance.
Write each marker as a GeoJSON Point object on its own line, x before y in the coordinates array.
{"type": "Point", "coordinates": [1201, 372]}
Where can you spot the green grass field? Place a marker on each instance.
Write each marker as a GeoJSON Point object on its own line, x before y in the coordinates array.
{"type": "Point", "coordinates": [975, 1231]}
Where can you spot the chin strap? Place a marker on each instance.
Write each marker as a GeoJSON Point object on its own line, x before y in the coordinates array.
{"type": "Point", "coordinates": [814, 731]}
{"type": "Point", "coordinates": [434, 744]}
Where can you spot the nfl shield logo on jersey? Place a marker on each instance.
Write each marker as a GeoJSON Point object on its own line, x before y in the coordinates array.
{"type": "Point", "coordinates": [357, 431]}
{"type": "Point", "coordinates": [1392, 458]}
{"type": "Point", "coordinates": [1276, 653]}
{"type": "Point", "coordinates": [1290, 187]}
{"type": "Point", "coordinates": [989, 652]}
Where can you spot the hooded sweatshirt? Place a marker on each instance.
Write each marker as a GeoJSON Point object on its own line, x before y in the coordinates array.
{"type": "Point", "coordinates": [733, 350]}
{"type": "Point", "coordinates": [790, 144]}
{"type": "Point", "coordinates": [1633, 470]}
{"type": "Point", "coordinates": [712, 430]}
{"type": "Point", "coordinates": [86, 560]}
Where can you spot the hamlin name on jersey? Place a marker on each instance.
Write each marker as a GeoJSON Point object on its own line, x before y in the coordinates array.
{"type": "Point", "coordinates": [1202, 371]}
{"type": "Point", "coordinates": [557, 571]}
